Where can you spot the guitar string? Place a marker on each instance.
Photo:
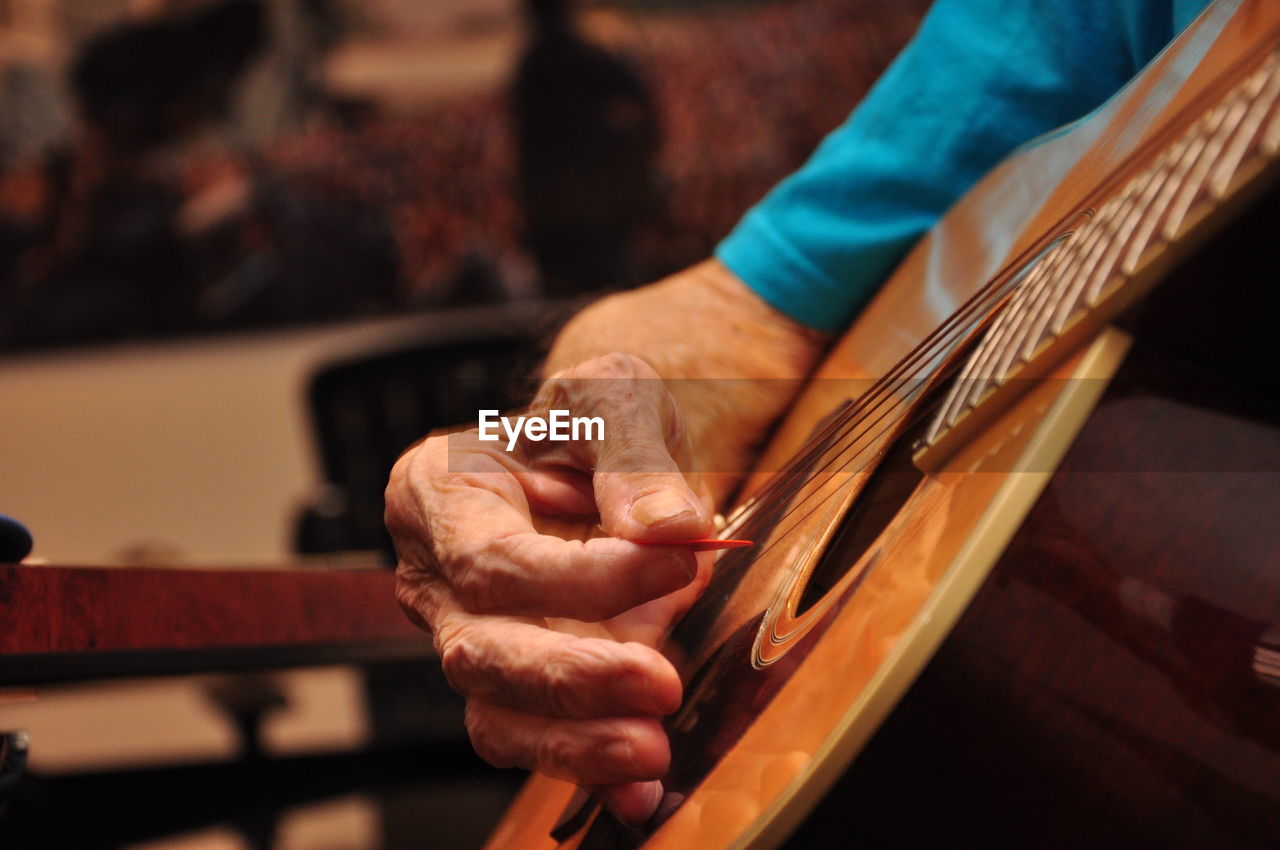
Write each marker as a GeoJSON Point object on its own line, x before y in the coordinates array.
{"type": "Point", "coordinates": [978, 364]}
{"type": "Point", "coordinates": [843, 446]}
{"type": "Point", "coordinates": [983, 304]}
{"type": "Point", "coordinates": [819, 444]}
{"type": "Point", "coordinates": [789, 510]}
{"type": "Point", "coordinates": [1181, 168]}
{"type": "Point", "coordinates": [792, 509]}
{"type": "Point", "coordinates": [801, 470]}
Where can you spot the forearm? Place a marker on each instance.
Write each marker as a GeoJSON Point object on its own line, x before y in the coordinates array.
{"type": "Point", "coordinates": [732, 361]}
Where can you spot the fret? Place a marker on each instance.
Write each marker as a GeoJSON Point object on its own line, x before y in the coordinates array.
{"type": "Point", "coordinates": [1198, 139]}
{"type": "Point", "coordinates": [1007, 316]}
{"type": "Point", "coordinates": [1150, 187]}
{"type": "Point", "coordinates": [1106, 268]}
{"type": "Point", "coordinates": [1032, 303]}
{"type": "Point", "coordinates": [1232, 112]}
{"type": "Point", "coordinates": [1102, 224]}
{"type": "Point", "coordinates": [1052, 266]}
{"type": "Point", "coordinates": [1147, 186]}
{"type": "Point", "coordinates": [1098, 248]}
{"type": "Point", "coordinates": [1270, 143]}
{"type": "Point", "coordinates": [958, 402]}
{"type": "Point", "coordinates": [1191, 145]}
{"type": "Point", "coordinates": [1093, 279]}
{"type": "Point", "coordinates": [1226, 167]}
{"type": "Point", "coordinates": [1072, 278]}
{"type": "Point", "coordinates": [1099, 261]}
{"type": "Point", "coordinates": [975, 379]}
{"type": "Point", "coordinates": [1161, 193]}
{"type": "Point", "coordinates": [1035, 282]}
{"type": "Point", "coordinates": [1091, 240]}
{"type": "Point", "coordinates": [1264, 92]}
{"type": "Point", "coordinates": [1061, 301]}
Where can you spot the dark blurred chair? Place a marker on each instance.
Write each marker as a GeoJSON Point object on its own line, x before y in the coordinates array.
{"type": "Point", "coordinates": [366, 409]}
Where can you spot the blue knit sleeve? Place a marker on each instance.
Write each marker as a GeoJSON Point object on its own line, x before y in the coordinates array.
{"type": "Point", "coordinates": [980, 78]}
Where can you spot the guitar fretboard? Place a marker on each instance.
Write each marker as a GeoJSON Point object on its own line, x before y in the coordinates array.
{"type": "Point", "coordinates": [1082, 273]}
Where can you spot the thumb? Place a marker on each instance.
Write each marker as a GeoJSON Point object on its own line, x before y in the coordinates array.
{"type": "Point", "coordinates": [640, 490]}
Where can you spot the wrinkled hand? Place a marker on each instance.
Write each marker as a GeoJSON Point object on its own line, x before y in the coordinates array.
{"type": "Point", "coordinates": [549, 634]}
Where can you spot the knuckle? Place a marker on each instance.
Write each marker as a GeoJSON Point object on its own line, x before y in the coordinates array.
{"type": "Point", "coordinates": [407, 499]}
{"type": "Point", "coordinates": [639, 453]}
{"type": "Point", "coordinates": [411, 596]}
{"type": "Point", "coordinates": [406, 590]}
{"type": "Point", "coordinates": [619, 364]}
{"type": "Point", "coordinates": [473, 585]}
{"type": "Point", "coordinates": [558, 685]}
{"type": "Point", "coordinates": [399, 515]}
{"type": "Point", "coordinates": [673, 418]}
{"type": "Point", "coordinates": [483, 733]}
{"type": "Point", "coordinates": [554, 392]}
{"type": "Point", "coordinates": [633, 660]}
{"type": "Point", "coordinates": [557, 751]}
{"type": "Point", "coordinates": [583, 669]}
{"type": "Point", "coordinates": [411, 467]}
{"type": "Point", "coordinates": [460, 659]}
{"type": "Point", "coordinates": [615, 364]}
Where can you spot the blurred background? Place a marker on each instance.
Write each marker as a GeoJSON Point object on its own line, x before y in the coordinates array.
{"type": "Point", "coordinates": [251, 249]}
{"type": "Point", "coordinates": [180, 167]}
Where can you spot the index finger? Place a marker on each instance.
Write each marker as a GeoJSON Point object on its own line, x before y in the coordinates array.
{"type": "Point", "coordinates": [504, 566]}
{"type": "Point", "coordinates": [484, 544]}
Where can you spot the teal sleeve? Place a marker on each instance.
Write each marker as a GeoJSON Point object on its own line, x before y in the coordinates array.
{"type": "Point", "coordinates": [980, 78]}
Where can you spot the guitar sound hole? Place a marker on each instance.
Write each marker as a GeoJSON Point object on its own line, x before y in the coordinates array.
{"type": "Point", "coordinates": [893, 482]}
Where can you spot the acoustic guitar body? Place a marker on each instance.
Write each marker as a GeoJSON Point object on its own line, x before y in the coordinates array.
{"type": "Point", "coordinates": [1016, 579]}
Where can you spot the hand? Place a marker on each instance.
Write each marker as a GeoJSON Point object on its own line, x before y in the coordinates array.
{"type": "Point", "coordinates": [549, 634]}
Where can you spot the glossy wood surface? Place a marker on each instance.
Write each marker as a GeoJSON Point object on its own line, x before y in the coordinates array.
{"type": "Point", "coordinates": [752, 744]}
{"type": "Point", "coordinates": [78, 622]}
{"type": "Point", "coordinates": [1103, 688]}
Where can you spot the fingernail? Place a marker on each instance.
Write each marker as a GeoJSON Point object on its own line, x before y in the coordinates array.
{"type": "Point", "coordinates": [636, 693]}
{"type": "Point", "coordinates": [654, 796]}
{"type": "Point", "coordinates": [652, 799]}
{"type": "Point", "coordinates": [640, 697]}
{"type": "Point", "coordinates": [659, 507]}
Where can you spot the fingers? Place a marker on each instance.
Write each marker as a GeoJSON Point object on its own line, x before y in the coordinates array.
{"type": "Point", "coordinates": [590, 752]}
{"type": "Point", "coordinates": [558, 491]}
{"type": "Point", "coordinates": [632, 802]}
{"type": "Point", "coordinates": [462, 515]}
{"type": "Point", "coordinates": [641, 492]}
{"type": "Point", "coordinates": [468, 517]}
{"type": "Point", "coordinates": [521, 665]}
{"type": "Point", "coordinates": [506, 568]}
{"type": "Point", "coordinates": [579, 708]}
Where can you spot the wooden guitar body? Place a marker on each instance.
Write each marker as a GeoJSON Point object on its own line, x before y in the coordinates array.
{"type": "Point", "coordinates": [1052, 583]}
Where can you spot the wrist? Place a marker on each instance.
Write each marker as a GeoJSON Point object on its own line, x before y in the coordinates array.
{"type": "Point", "coordinates": [732, 362]}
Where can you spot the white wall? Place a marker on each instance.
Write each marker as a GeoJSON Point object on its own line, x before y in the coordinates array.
{"type": "Point", "coordinates": [203, 447]}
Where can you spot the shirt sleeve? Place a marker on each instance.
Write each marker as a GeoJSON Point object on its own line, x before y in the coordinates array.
{"type": "Point", "coordinates": [980, 78]}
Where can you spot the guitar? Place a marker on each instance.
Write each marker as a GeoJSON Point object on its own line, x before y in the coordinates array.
{"type": "Point", "coordinates": [1016, 573]}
